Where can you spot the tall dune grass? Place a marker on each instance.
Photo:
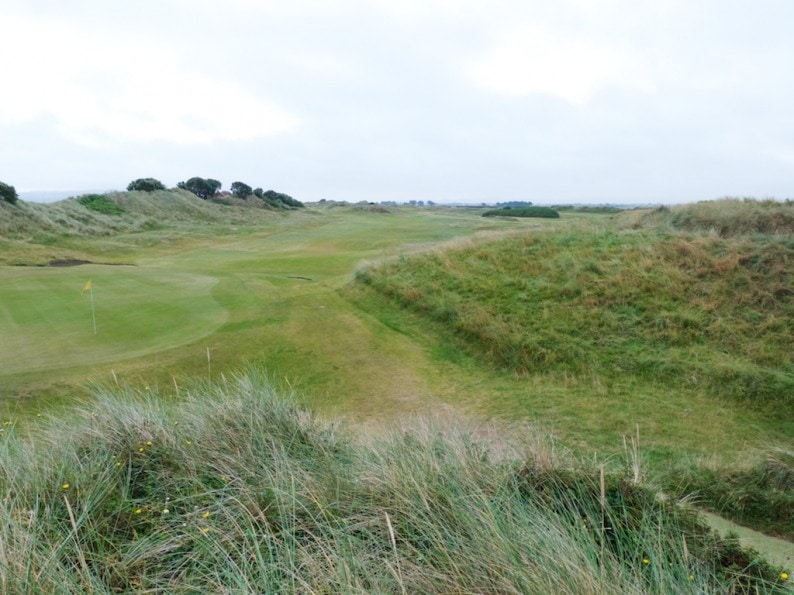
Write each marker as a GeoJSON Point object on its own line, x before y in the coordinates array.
{"type": "Point", "coordinates": [728, 217]}
{"type": "Point", "coordinates": [232, 487]}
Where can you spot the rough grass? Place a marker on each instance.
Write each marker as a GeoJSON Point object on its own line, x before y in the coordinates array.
{"type": "Point", "coordinates": [687, 311]}
{"type": "Point", "coordinates": [728, 217]}
{"type": "Point", "coordinates": [93, 216]}
{"type": "Point", "coordinates": [233, 488]}
{"type": "Point", "coordinates": [757, 493]}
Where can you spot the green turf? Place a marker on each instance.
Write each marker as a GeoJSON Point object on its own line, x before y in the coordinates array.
{"type": "Point", "coordinates": [277, 290]}
{"type": "Point", "coordinates": [47, 324]}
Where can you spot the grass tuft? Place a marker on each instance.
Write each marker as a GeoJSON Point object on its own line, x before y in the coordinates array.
{"type": "Point", "coordinates": [234, 487]}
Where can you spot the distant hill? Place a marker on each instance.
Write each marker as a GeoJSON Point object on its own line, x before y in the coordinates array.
{"type": "Point", "coordinates": [133, 211]}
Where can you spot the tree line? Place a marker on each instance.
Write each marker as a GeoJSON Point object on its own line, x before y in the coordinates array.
{"type": "Point", "coordinates": [208, 188]}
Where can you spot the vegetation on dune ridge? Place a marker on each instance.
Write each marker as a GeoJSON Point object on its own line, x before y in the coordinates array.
{"type": "Point", "coordinates": [680, 312]}
{"type": "Point", "coordinates": [688, 311]}
{"type": "Point", "coordinates": [231, 486]}
{"type": "Point", "coordinates": [727, 217]}
{"type": "Point", "coordinates": [36, 226]}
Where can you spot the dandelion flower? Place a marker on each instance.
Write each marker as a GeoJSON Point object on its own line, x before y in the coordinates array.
{"type": "Point", "coordinates": [205, 529]}
{"type": "Point", "coordinates": [188, 442]}
{"type": "Point", "coordinates": [118, 464]}
{"type": "Point", "coordinates": [138, 511]}
{"type": "Point", "coordinates": [148, 443]}
{"type": "Point", "coordinates": [38, 414]}
{"type": "Point", "coordinates": [646, 561]}
{"type": "Point", "coordinates": [65, 486]}
{"type": "Point", "coordinates": [140, 449]}
{"type": "Point", "coordinates": [784, 576]}
{"type": "Point", "coordinates": [206, 515]}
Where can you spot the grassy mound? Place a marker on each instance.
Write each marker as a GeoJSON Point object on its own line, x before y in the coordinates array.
{"type": "Point", "coordinates": [93, 215]}
{"type": "Point", "coordinates": [691, 312]}
{"type": "Point", "coordinates": [728, 217]}
{"type": "Point", "coordinates": [232, 487]}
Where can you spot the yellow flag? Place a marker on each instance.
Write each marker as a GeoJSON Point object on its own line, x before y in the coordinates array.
{"type": "Point", "coordinates": [87, 287]}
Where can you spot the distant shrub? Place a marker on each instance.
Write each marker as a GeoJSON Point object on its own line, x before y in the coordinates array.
{"type": "Point", "coordinates": [279, 199]}
{"type": "Point", "coordinates": [241, 190]}
{"type": "Point", "coordinates": [201, 187]}
{"type": "Point", "coordinates": [8, 193]}
{"type": "Point", "coordinates": [605, 209]}
{"type": "Point", "coordinates": [543, 212]}
{"type": "Point", "coordinates": [100, 203]}
{"type": "Point", "coordinates": [145, 185]}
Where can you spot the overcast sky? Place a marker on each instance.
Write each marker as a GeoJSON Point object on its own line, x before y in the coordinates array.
{"type": "Point", "coordinates": [445, 100]}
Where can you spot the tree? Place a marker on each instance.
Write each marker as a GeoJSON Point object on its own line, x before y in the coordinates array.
{"type": "Point", "coordinates": [200, 187]}
{"type": "Point", "coordinates": [241, 190]}
{"type": "Point", "coordinates": [145, 185]}
{"type": "Point", "coordinates": [259, 193]}
{"type": "Point", "coordinates": [8, 193]}
{"type": "Point", "coordinates": [279, 199]}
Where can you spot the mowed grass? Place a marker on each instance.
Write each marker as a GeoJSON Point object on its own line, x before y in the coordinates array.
{"type": "Point", "coordinates": [260, 292]}
{"type": "Point", "coordinates": [47, 324]}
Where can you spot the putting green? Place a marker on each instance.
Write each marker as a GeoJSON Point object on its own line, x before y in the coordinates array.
{"type": "Point", "coordinates": [46, 319]}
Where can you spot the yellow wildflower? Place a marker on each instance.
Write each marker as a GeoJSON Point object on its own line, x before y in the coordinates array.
{"type": "Point", "coordinates": [65, 486]}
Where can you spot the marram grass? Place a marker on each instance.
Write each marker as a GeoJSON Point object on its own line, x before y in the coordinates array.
{"type": "Point", "coordinates": [234, 488]}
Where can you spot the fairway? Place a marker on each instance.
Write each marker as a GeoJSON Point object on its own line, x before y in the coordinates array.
{"type": "Point", "coordinates": [265, 293]}
{"type": "Point", "coordinates": [279, 294]}
{"type": "Point", "coordinates": [46, 320]}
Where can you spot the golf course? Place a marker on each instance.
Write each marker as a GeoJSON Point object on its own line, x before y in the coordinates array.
{"type": "Point", "coordinates": [655, 343]}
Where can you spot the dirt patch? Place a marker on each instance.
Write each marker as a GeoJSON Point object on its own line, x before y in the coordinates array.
{"type": "Point", "coordinates": [76, 262]}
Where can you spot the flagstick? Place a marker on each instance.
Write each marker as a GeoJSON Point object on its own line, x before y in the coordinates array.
{"type": "Point", "coordinates": [93, 314]}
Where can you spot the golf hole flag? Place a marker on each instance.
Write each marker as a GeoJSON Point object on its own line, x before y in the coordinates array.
{"type": "Point", "coordinates": [90, 291]}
